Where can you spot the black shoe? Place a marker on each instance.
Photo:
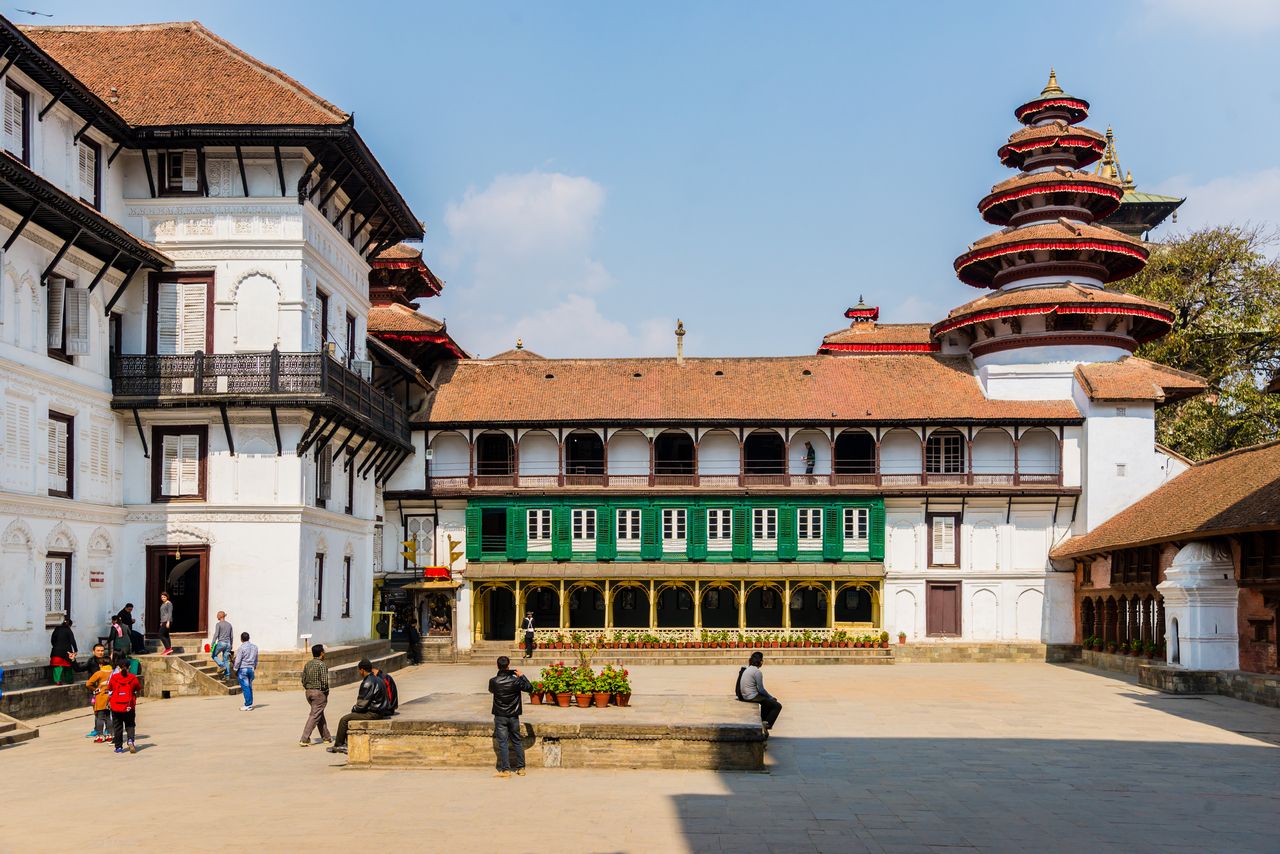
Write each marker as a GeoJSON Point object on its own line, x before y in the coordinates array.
{"type": "Point", "coordinates": [337, 749]}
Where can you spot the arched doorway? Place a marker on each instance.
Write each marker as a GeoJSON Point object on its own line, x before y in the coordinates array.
{"type": "Point", "coordinates": [764, 457]}
{"type": "Point", "coordinates": [544, 601]}
{"type": "Point", "coordinates": [808, 607]}
{"type": "Point", "coordinates": [855, 457]}
{"type": "Point", "coordinates": [495, 459]}
{"type": "Point", "coordinates": [496, 609]}
{"type": "Point", "coordinates": [586, 607]}
{"type": "Point", "coordinates": [631, 607]}
{"type": "Point", "coordinates": [583, 458]}
{"type": "Point", "coordinates": [764, 607]}
{"type": "Point", "coordinates": [673, 458]}
{"type": "Point", "coordinates": [719, 607]}
{"type": "Point", "coordinates": [675, 607]}
{"type": "Point", "coordinates": [855, 604]}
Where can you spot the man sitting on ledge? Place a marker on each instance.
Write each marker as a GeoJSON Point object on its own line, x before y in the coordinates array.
{"type": "Point", "coordinates": [371, 704]}
{"type": "Point", "coordinates": [750, 689]}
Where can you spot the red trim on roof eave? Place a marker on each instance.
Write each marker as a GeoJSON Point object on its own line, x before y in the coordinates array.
{"type": "Point", "coordinates": [873, 313]}
{"type": "Point", "coordinates": [423, 338]}
{"type": "Point", "coordinates": [1014, 195]}
{"type": "Point", "coordinates": [880, 348]}
{"type": "Point", "coordinates": [997, 314]}
{"type": "Point", "coordinates": [1043, 103]}
{"type": "Point", "coordinates": [1066, 141]}
{"type": "Point", "coordinates": [970, 258]}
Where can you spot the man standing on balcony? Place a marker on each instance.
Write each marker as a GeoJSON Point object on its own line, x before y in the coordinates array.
{"type": "Point", "coordinates": [810, 459]}
{"type": "Point", "coordinates": [529, 645]}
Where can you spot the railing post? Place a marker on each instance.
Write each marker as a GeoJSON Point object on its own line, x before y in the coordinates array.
{"type": "Point", "coordinates": [198, 373]}
{"type": "Point", "coordinates": [275, 368]}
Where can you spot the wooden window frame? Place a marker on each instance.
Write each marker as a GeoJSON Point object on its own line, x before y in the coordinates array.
{"type": "Point", "coordinates": [855, 543]}
{"type": "Point", "coordinates": [929, 519]}
{"type": "Point", "coordinates": [632, 543]}
{"type": "Point", "coordinates": [317, 613]}
{"type": "Point", "coordinates": [810, 543]}
{"type": "Point", "coordinates": [70, 422]}
{"type": "Point", "coordinates": [204, 277]}
{"type": "Point", "coordinates": [323, 299]}
{"type": "Point", "coordinates": [158, 433]}
{"type": "Point", "coordinates": [26, 119]}
{"type": "Point", "coordinates": [724, 542]}
{"type": "Point", "coordinates": [762, 542]}
{"type": "Point", "coordinates": [324, 476]}
{"type": "Point", "coordinates": [163, 187]}
{"type": "Point", "coordinates": [583, 543]}
{"type": "Point", "coordinates": [679, 521]}
{"type": "Point", "coordinates": [346, 586]}
{"type": "Point", "coordinates": [351, 338]}
{"type": "Point", "coordinates": [350, 509]}
{"type": "Point", "coordinates": [96, 201]}
{"type": "Point", "coordinates": [539, 544]}
{"type": "Point", "coordinates": [935, 452]}
{"type": "Point", "coordinates": [67, 576]}
{"type": "Point", "coordinates": [59, 353]}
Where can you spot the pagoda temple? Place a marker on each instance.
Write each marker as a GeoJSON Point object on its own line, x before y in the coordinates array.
{"type": "Point", "coordinates": [1049, 266]}
{"type": "Point", "coordinates": [1139, 213]}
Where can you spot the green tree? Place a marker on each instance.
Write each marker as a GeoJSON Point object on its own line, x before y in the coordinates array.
{"type": "Point", "coordinates": [1223, 284]}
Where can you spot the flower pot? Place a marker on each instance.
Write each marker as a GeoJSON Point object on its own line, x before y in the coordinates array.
{"type": "Point", "coordinates": [584, 700]}
{"type": "Point", "coordinates": [535, 699]}
{"type": "Point", "coordinates": [562, 700]}
{"type": "Point", "coordinates": [902, 640]}
{"type": "Point", "coordinates": [549, 699]}
{"type": "Point", "coordinates": [623, 699]}
{"type": "Point", "coordinates": [602, 699]}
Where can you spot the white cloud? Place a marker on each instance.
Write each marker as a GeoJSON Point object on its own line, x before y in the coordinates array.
{"type": "Point", "coordinates": [519, 262]}
{"type": "Point", "coordinates": [1237, 16]}
{"type": "Point", "coordinates": [1252, 198]}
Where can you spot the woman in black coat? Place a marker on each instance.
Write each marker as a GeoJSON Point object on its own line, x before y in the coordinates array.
{"type": "Point", "coordinates": [62, 653]}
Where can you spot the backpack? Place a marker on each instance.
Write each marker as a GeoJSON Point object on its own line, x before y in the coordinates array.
{"type": "Point", "coordinates": [393, 696]}
{"type": "Point", "coordinates": [737, 684]}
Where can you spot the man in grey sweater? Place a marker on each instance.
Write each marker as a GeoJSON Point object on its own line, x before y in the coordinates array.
{"type": "Point", "coordinates": [166, 624]}
{"type": "Point", "coordinates": [246, 663]}
{"type": "Point", "coordinates": [221, 645]}
{"type": "Point", "coordinates": [750, 689]}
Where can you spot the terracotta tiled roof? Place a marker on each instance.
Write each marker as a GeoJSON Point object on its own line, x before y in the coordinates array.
{"type": "Point", "coordinates": [400, 252]}
{"type": "Point", "coordinates": [1089, 143]}
{"type": "Point", "coordinates": [1004, 194]}
{"type": "Point", "coordinates": [1137, 379]}
{"type": "Point", "coordinates": [880, 333]}
{"type": "Point", "coordinates": [1118, 254]}
{"type": "Point", "coordinates": [1239, 491]}
{"type": "Point", "coordinates": [518, 353]}
{"type": "Point", "coordinates": [395, 317]}
{"type": "Point", "coordinates": [181, 74]}
{"type": "Point", "coordinates": [912, 388]}
{"type": "Point", "coordinates": [1051, 295]}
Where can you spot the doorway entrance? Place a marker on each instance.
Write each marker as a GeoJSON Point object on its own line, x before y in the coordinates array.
{"type": "Point", "coordinates": [183, 573]}
{"type": "Point", "coordinates": [942, 609]}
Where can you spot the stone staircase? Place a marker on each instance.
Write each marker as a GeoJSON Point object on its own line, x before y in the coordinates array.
{"type": "Point", "coordinates": [29, 694]}
{"type": "Point", "coordinates": [188, 671]}
{"type": "Point", "coordinates": [14, 731]}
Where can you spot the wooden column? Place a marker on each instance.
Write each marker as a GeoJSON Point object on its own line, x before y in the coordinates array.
{"type": "Point", "coordinates": [697, 604]}
{"type": "Point", "coordinates": [1016, 475]}
{"type": "Point", "coordinates": [608, 607]}
{"type": "Point", "coordinates": [831, 441]}
{"type": "Point", "coordinates": [742, 458]}
{"type": "Point", "coordinates": [786, 456]}
{"type": "Point", "coordinates": [515, 457]}
{"type": "Point", "coordinates": [653, 606]}
{"type": "Point", "coordinates": [471, 465]}
{"type": "Point", "coordinates": [519, 612]}
{"type": "Point", "coordinates": [831, 606]}
{"type": "Point", "coordinates": [786, 604]}
{"type": "Point", "coordinates": [564, 608]}
{"type": "Point", "coordinates": [651, 460]}
{"type": "Point", "coordinates": [742, 604]}
{"type": "Point", "coordinates": [560, 460]}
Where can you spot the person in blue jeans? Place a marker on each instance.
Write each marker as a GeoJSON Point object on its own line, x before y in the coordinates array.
{"type": "Point", "coordinates": [221, 645]}
{"type": "Point", "coordinates": [245, 663]}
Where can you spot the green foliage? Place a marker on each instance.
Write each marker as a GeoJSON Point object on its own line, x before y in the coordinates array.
{"type": "Point", "coordinates": [1224, 287]}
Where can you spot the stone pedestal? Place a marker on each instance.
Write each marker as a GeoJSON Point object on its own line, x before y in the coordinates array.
{"type": "Point", "coordinates": [1200, 604]}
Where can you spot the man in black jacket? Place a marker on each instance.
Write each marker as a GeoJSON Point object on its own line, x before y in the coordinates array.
{"type": "Point", "coordinates": [371, 704]}
{"type": "Point", "coordinates": [506, 689]}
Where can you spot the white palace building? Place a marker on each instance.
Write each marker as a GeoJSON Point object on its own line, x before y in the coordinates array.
{"type": "Point", "coordinates": [215, 382]}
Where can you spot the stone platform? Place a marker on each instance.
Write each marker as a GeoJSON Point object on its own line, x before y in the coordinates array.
{"type": "Point", "coordinates": [659, 731]}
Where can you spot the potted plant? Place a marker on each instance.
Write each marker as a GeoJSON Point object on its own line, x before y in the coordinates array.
{"type": "Point", "coordinates": [902, 638]}
{"type": "Point", "coordinates": [582, 685]}
{"type": "Point", "coordinates": [535, 693]}
{"type": "Point", "coordinates": [620, 686]}
{"type": "Point", "coordinates": [1150, 649]}
{"type": "Point", "coordinates": [603, 687]}
{"type": "Point", "coordinates": [554, 681]}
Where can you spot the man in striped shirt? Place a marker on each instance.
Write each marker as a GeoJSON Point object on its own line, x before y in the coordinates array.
{"type": "Point", "coordinates": [315, 682]}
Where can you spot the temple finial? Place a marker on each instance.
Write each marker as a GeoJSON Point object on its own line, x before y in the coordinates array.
{"type": "Point", "coordinates": [1128, 182]}
{"type": "Point", "coordinates": [1052, 87]}
{"type": "Point", "coordinates": [519, 343]}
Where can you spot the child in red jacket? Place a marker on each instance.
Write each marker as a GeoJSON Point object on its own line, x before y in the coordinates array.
{"type": "Point", "coordinates": [123, 688]}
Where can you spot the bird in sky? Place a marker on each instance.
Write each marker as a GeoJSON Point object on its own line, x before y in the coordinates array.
{"type": "Point", "coordinates": [31, 12]}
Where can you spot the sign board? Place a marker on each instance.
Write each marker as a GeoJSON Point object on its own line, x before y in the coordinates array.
{"type": "Point", "coordinates": [97, 577]}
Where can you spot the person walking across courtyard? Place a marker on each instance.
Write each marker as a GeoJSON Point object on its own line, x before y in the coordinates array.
{"type": "Point", "coordinates": [315, 684]}
{"type": "Point", "coordinates": [506, 688]}
{"type": "Point", "coordinates": [123, 687]}
{"type": "Point", "coordinates": [750, 689]}
{"type": "Point", "coordinates": [221, 645]}
{"type": "Point", "coordinates": [246, 662]}
{"type": "Point", "coordinates": [166, 624]}
{"type": "Point", "coordinates": [413, 638]}
{"type": "Point", "coordinates": [528, 635]}
{"type": "Point", "coordinates": [371, 704]}
{"type": "Point", "coordinates": [99, 698]}
{"type": "Point", "coordinates": [62, 653]}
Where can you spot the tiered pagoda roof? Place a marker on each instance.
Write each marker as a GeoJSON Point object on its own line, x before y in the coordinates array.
{"type": "Point", "coordinates": [1053, 258]}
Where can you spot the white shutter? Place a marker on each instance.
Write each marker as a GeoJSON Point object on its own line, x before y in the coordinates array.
{"type": "Point", "coordinates": [76, 306]}
{"type": "Point", "coordinates": [168, 337]}
{"type": "Point", "coordinates": [13, 133]}
{"type": "Point", "coordinates": [170, 469]}
{"type": "Point", "coordinates": [944, 540]}
{"type": "Point", "coordinates": [189, 464]}
{"type": "Point", "coordinates": [17, 433]}
{"type": "Point", "coordinates": [88, 173]}
{"type": "Point", "coordinates": [190, 175]}
{"type": "Point", "coordinates": [100, 452]}
{"type": "Point", "coordinates": [57, 455]}
{"type": "Point", "coordinates": [55, 287]}
{"type": "Point", "coordinates": [193, 316]}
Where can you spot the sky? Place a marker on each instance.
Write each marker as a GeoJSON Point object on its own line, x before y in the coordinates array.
{"type": "Point", "coordinates": [590, 172]}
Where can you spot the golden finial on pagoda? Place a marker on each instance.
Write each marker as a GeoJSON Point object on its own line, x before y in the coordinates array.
{"type": "Point", "coordinates": [519, 343]}
{"type": "Point", "coordinates": [1052, 87]}
{"type": "Point", "coordinates": [1128, 182]}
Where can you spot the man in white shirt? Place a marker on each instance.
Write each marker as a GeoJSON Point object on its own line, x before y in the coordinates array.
{"type": "Point", "coordinates": [751, 690]}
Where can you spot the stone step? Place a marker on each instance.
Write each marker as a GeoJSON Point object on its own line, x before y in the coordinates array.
{"type": "Point", "coordinates": [543, 657]}
{"type": "Point", "coordinates": [15, 732]}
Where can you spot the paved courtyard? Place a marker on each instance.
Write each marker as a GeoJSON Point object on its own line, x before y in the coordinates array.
{"type": "Point", "coordinates": [988, 757]}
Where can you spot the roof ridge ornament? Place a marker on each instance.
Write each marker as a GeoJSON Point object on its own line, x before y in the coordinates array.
{"type": "Point", "coordinates": [1052, 87]}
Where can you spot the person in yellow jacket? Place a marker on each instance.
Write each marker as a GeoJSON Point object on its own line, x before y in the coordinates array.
{"type": "Point", "coordinates": [99, 694]}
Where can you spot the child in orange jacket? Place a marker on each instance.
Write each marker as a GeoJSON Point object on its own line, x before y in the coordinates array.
{"type": "Point", "coordinates": [98, 697]}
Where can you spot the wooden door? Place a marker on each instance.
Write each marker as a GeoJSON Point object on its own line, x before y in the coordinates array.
{"type": "Point", "coordinates": [942, 608]}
